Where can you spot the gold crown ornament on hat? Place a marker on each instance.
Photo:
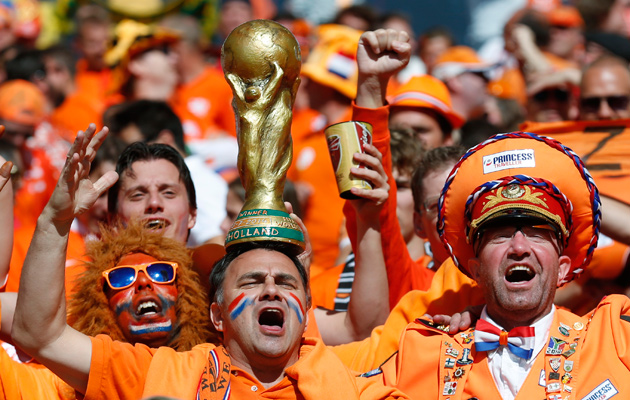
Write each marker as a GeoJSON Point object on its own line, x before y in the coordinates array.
{"type": "Point", "coordinates": [261, 61]}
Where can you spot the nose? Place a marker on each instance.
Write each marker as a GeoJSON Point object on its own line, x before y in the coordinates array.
{"type": "Point", "coordinates": [519, 245]}
{"type": "Point", "coordinates": [154, 204]}
{"type": "Point", "coordinates": [270, 290]}
{"type": "Point", "coordinates": [143, 282]}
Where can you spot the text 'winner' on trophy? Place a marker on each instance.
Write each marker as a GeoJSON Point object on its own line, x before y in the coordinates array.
{"type": "Point", "coordinates": [261, 61]}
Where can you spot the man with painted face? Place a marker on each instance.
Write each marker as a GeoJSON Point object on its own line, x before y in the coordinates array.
{"type": "Point", "coordinates": [261, 298]}
{"type": "Point", "coordinates": [520, 225]}
{"type": "Point", "coordinates": [139, 287]}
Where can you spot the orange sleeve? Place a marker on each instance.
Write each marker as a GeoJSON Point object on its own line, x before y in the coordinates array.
{"type": "Point", "coordinates": [402, 272]}
{"type": "Point", "coordinates": [116, 362]}
{"type": "Point", "coordinates": [30, 381]}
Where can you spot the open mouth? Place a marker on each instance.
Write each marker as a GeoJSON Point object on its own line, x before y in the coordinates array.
{"type": "Point", "coordinates": [271, 318]}
{"type": "Point", "coordinates": [519, 273]}
{"type": "Point", "coordinates": [147, 308]}
{"type": "Point", "coordinates": [156, 224]}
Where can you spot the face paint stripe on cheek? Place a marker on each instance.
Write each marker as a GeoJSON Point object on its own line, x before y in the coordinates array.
{"type": "Point", "coordinates": [238, 305]}
{"type": "Point", "coordinates": [296, 305]}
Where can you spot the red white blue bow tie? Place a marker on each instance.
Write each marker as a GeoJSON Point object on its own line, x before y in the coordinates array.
{"type": "Point", "coordinates": [520, 341]}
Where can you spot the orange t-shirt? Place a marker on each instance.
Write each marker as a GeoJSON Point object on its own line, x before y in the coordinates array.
{"type": "Point", "coordinates": [120, 370]}
{"type": "Point", "coordinates": [94, 83]}
{"type": "Point", "coordinates": [77, 112]}
{"type": "Point", "coordinates": [205, 106]}
{"type": "Point", "coordinates": [30, 381]}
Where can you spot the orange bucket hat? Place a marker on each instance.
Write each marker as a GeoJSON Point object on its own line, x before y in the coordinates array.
{"type": "Point", "coordinates": [333, 60]}
{"type": "Point", "coordinates": [426, 91]}
{"type": "Point", "coordinates": [459, 59]}
{"type": "Point", "coordinates": [22, 102]}
{"type": "Point", "coordinates": [520, 175]}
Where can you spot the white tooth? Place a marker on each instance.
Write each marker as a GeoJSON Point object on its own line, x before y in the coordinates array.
{"type": "Point", "coordinates": [144, 305]}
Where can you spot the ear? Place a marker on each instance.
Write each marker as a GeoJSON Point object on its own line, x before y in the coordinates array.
{"type": "Point", "coordinates": [418, 227]}
{"type": "Point", "coordinates": [473, 268]}
{"type": "Point", "coordinates": [216, 316]}
{"type": "Point", "coordinates": [192, 219]}
{"type": "Point", "coordinates": [564, 266]}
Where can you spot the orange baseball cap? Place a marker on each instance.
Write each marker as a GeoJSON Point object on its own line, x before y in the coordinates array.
{"type": "Point", "coordinates": [333, 60]}
{"type": "Point", "coordinates": [459, 59]}
{"type": "Point", "coordinates": [516, 175]}
{"type": "Point", "coordinates": [426, 91]}
{"type": "Point", "coordinates": [21, 102]}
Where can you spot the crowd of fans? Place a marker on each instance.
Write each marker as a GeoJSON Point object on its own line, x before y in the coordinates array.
{"type": "Point", "coordinates": [562, 71]}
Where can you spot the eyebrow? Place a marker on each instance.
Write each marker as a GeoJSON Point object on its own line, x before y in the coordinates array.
{"type": "Point", "coordinates": [258, 275]}
{"type": "Point", "coordinates": [160, 187]}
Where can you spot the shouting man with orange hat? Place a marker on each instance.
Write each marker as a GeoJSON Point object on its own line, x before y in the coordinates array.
{"type": "Point", "coordinates": [520, 215]}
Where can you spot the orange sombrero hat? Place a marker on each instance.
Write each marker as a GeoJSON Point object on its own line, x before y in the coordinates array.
{"type": "Point", "coordinates": [426, 91]}
{"type": "Point", "coordinates": [521, 174]}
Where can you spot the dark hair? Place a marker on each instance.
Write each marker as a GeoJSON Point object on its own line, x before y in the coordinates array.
{"type": "Point", "coordinates": [63, 56]}
{"type": "Point", "coordinates": [217, 275]}
{"type": "Point", "coordinates": [539, 24]}
{"type": "Point", "coordinates": [407, 151]}
{"type": "Point", "coordinates": [361, 11]}
{"type": "Point", "coordinates": [147, 152]}
{"type": "Point", "coordinates": [437, 31]}
{"type": "Point", "coordinates": [433, 160]}
{"type": "Point", "coordinates": [26, 65]}
{"type": "Point", "coordinates": [150, 116]}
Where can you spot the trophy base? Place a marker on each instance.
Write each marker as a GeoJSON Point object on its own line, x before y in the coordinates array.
{"type": "Point", "coordinates": [265, 225]}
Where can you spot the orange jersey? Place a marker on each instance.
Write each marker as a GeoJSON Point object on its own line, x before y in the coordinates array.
{"type": "Point", "coordinates": [205, 106]}
{"type": "Point", "coordinates": [77, 111]}
{"type": "Point", "coordinates": [95, 83]}
{"type": "Point", "coordinates": [120, 370]}
{"type": "Point", "coordinates": [598, 368]}
{"type": "Point", "coordinates": [30, 381]}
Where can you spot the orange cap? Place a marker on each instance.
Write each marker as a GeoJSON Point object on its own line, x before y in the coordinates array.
{"type": "Point", "coordinates": [457, 60]}
{"type": "Point", "coordinates": [426, 91]}
{"type": "Point", "coordinates": [566, 16]}
{"type": "Point", "coordinates": [333, 60]}
{"type": "Point", "coordinates": [21, 102]}
{"type": "Point", "coordinates": [555, 176]}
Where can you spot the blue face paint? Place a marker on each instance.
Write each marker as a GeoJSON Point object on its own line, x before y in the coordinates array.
{"type": "Point", "coordinates": [238, 305]}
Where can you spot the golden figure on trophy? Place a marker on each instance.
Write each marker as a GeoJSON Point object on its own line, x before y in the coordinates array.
{"type": "Point", "coordinates": [261, 61]}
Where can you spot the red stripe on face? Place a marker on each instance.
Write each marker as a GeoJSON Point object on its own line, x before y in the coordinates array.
{"type": "Point", "coordinates": [298, 301]}
{"type": "Point", "coordinates": [235, 302]}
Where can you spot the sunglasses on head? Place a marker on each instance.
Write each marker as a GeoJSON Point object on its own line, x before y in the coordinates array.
{"type": "Point", "coordinates": [592, 104]}
{"type": "Point", "coordinates": [123, 276]}
{"type": "Point", "coordinates": [557, 94]}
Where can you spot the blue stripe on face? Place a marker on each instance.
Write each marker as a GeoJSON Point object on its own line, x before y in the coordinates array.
{"type": "Point", "coordinates": [297, 310]}
{"type": "Point", "coordinates": [246, 301]}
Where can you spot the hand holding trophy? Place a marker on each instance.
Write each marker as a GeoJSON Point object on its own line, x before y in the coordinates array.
{"type": "Point", "coordinates": [261, 60]}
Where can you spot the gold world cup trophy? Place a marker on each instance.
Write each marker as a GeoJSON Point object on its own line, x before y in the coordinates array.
{"type": "Point", "coordinates": [261, 61]}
